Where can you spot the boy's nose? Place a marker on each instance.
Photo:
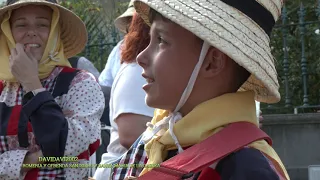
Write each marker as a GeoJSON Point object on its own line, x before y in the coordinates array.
{"type": "Point", "coordinates": [142, 58]}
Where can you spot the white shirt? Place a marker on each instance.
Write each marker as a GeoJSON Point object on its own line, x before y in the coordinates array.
{"type": "Point", "coordinates": [127, 96]}
{"type": "Point", "coordinates": [112, 67]}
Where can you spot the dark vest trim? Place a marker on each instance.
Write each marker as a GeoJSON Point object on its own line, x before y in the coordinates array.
{"type": "Point", "coordinates": [23, 130]}
{"type": "Point", "coordinates": [5, 112]}
{"type": "Point", "coordinates": [63, 81]}
{"type": "Point", "coordinates": [74, 61]}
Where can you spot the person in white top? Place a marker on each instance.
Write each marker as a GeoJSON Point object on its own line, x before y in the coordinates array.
{"type": "Point", "coordinates": [112, 67]}
{"type": "Point", "coordinates": [128, 111]}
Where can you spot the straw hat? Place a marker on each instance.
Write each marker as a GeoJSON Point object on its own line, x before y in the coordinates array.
{"type": "Point", "coordinates": [124, 19]}
{"type": "Point", "coordinates": [240, 29]}
{"type": "Point", "coordinates": [73, 31]}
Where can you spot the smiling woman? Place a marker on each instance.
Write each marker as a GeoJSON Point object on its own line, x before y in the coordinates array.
{"type": "Point", "coordinates": [47, 108]}
{"type": "Point", "coordinates": [32, 20]}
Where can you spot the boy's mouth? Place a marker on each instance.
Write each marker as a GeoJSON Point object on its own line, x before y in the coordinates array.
{"type": "Point", "coordinates": [148, 79]}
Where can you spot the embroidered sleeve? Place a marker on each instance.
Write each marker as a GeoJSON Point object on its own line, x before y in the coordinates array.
{"type": "Point", "coordinates": [10, 164]}
{"type": "Point", "coordinates": [84, 105]}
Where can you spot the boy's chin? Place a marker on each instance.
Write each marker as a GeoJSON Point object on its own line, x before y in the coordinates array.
{"type": "Point", "coordinates": [150, 102]}
{"type": "Point", "coordinates": [153, 102]}
{"type": "Point", "coordinates": [157, 103]}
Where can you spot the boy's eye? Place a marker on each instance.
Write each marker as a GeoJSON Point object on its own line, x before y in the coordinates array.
{"type": "Point", "coordinates": [160, 40]}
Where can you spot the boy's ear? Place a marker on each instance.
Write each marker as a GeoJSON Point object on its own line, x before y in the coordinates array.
{"type": "Point", "coordinates": [214, 63]}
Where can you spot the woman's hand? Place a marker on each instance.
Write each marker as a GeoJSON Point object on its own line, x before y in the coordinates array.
{"type": "Point", "coordinates": [24, 67]}
{"type": "Point", "coordinates": [31, 158]}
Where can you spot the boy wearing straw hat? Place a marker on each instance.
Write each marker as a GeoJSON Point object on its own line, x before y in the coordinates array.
{"type": "Point", "coordinates": [206, 64]}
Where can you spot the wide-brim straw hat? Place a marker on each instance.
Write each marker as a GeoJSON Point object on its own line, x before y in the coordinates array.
{"type": "Point", "coordinates": [73, 31]}
{"type": "Point", "coordinates": [240, 29]}
{"type": "Point", "coordinates": [124, 19]}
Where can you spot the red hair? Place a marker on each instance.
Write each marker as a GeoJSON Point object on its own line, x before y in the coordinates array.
{"type": "Point", "coordinates": [136, 40]}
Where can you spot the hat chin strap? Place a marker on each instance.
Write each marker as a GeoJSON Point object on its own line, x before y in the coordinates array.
{"type": "Point", "coordinates": [175, 115]}
{"type": "Point", "coordinates": [194, 75]}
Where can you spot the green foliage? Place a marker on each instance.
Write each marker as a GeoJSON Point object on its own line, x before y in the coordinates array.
{"type": "Point", "coordinates": [296, 31]}
{"type": "Point", "coordinates": [98, 17]}
{"type": "Point", "coordinates": [121, 7]}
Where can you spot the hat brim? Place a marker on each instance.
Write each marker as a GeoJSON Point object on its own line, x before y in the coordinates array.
{"type": "Point", "coordinates": [73, 31]}
{"type": "Point", "coordinates": [124, 20]}
{"type": "Point", "coordinates": [228, 30]}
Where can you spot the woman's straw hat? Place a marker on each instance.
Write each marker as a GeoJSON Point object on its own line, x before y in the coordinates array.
{"type": "Point", "coordinates": [240, 29]}
{"type": "Point", "coordinates": [73, 31]}
{"type": "Point", "coordinates": [124, 19]}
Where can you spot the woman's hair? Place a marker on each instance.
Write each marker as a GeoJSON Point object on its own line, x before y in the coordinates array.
{"type": "Point", "coordinates": [136, 40]}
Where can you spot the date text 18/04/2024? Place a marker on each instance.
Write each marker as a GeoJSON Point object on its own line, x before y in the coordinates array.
{"type": "Point", "coordinates": [73, 165]}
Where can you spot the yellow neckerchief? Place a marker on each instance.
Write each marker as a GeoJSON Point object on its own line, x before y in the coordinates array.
{"type": "Point", "coordinates": [205, 120]}
{"type": "Point", "coordinates": [53, 55]}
